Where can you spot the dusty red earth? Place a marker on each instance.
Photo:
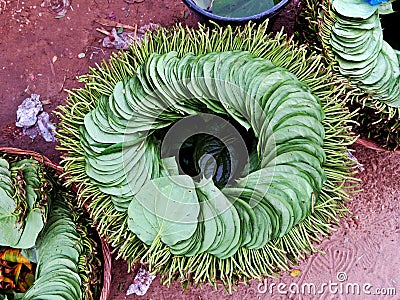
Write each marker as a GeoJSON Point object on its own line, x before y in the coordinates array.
{"type": "Point", "coordinates": [39, 53]}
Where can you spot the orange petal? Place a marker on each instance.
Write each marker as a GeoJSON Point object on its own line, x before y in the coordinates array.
{"type": "Point", "coordinates": [295, 273]}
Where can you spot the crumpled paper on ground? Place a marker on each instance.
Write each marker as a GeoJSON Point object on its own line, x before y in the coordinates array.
{"type": "Point", "coordinates": [33, 120]}
{"type": "Point", "coordinates": [28, 110]}
{"type": "Point", "coordinates": [141, 283]}
{"type": "Point", "coordinates": [122, 40]}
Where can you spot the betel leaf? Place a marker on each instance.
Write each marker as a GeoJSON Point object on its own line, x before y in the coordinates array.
{"type": "Point", "coordinates": [240, 9]}
{"type": "Point", "coordinates": [11, 233]}
{"type": "Point", "coordinates": [398, 54]}
{"type": "Point", "coordinates": [354, 8]}
{"type": "Point", "coordinates": [254, 263]}
{"type": "Point", "coordinates": [203, 4]}
{"type": "Point", "coordinates": [165, 208]}
{"type": "Point", "coordinates": [33, 226]}
{"type": "Point", "coordinates": [385, 8]}
{"type": "Point", "coordinates": [170, 166]}
{"type": "Point", "coordinates": [21, 218]}
{"type": "Point", "coordinates": [30, 254]}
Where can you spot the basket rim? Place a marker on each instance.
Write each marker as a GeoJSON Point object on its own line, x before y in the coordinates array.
{"type": "Point", "coordinates": [106, 252]}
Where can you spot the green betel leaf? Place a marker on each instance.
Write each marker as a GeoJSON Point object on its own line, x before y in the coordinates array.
{"type": "Point", "coordinates": [165, 208]}
{"type": "Point", "coordinates": [354, 8]}
{"type": "Point", "coordinates": [203, 4]}
{"type": "Point", "coordinates": [33, 226]}
{"type": "Point", "coordinates": [385, 8]}
{"type": "Point", "coordinates": [240, 9]}
{"type": "Point", "coordinates": [9, 234]}
{"type": "Point", "coordinates": [170, 166]}
{"type": "Point", "coordinates": [58, 251]}
{"type": "Point", "coordinates": [12, 234]}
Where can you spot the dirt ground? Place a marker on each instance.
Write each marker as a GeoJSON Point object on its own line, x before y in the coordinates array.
{"type": "Point", "coordinates": [40, 53]}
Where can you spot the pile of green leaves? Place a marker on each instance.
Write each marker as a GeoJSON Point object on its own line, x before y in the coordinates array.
{"type": "Point", "coordinates": [65, 254]}
{"type": "Point", "coordinates": [58, 251]}
{"type": "Point", "coordinates": [121, 154]}
{"type": "Point", "coordinates": [362, 54]}
{"type": "Point", "coordinates": [114, 119]}
{"type": "Point", "coordinates": [349, 32]}
{"type": "Point", "coordinates": [90, 264]}
{"type": "Point", "coordinates": [23, 203]}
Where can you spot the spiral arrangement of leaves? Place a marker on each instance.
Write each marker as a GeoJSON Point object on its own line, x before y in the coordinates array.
{"type": "Point", "coordinates": [112, 121]}
{"type": "Point", "coordinates": [350, 35]}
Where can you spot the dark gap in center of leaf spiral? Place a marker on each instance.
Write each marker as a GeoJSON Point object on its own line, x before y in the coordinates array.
{"type": "Point", "coordinates": [389, 23]}
{"type": "Point", "coordinates": [219, 148]}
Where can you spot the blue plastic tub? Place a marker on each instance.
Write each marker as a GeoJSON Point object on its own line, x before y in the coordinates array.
{"type": "Point", "coordinates": [205, 15]}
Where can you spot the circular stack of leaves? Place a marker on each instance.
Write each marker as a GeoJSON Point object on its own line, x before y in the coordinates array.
{"type": "Point", "coordinates": [288, 198]}
{"type": "Point", "coordinates": [351, 35]}
{"type": "Point", "coordinates": [283, 113]}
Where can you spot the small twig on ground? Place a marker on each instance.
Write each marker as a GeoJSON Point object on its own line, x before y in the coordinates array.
{"type": "Point", "coordinates": [52, 68]}
{"type": "Point", "coordinates": [62, 86]}
{"type": "Point", "coordinates": [95, 52]}
{"type": "Point", "coordinates": [135, 32]}
{"type": "Point", "coordinates": [103, 31]}
{"type": "Point", "coordinates": [96, 48]}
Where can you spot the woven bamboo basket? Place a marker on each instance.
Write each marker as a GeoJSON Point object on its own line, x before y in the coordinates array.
{"type": "Point", "coordinates": [106, 253]}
